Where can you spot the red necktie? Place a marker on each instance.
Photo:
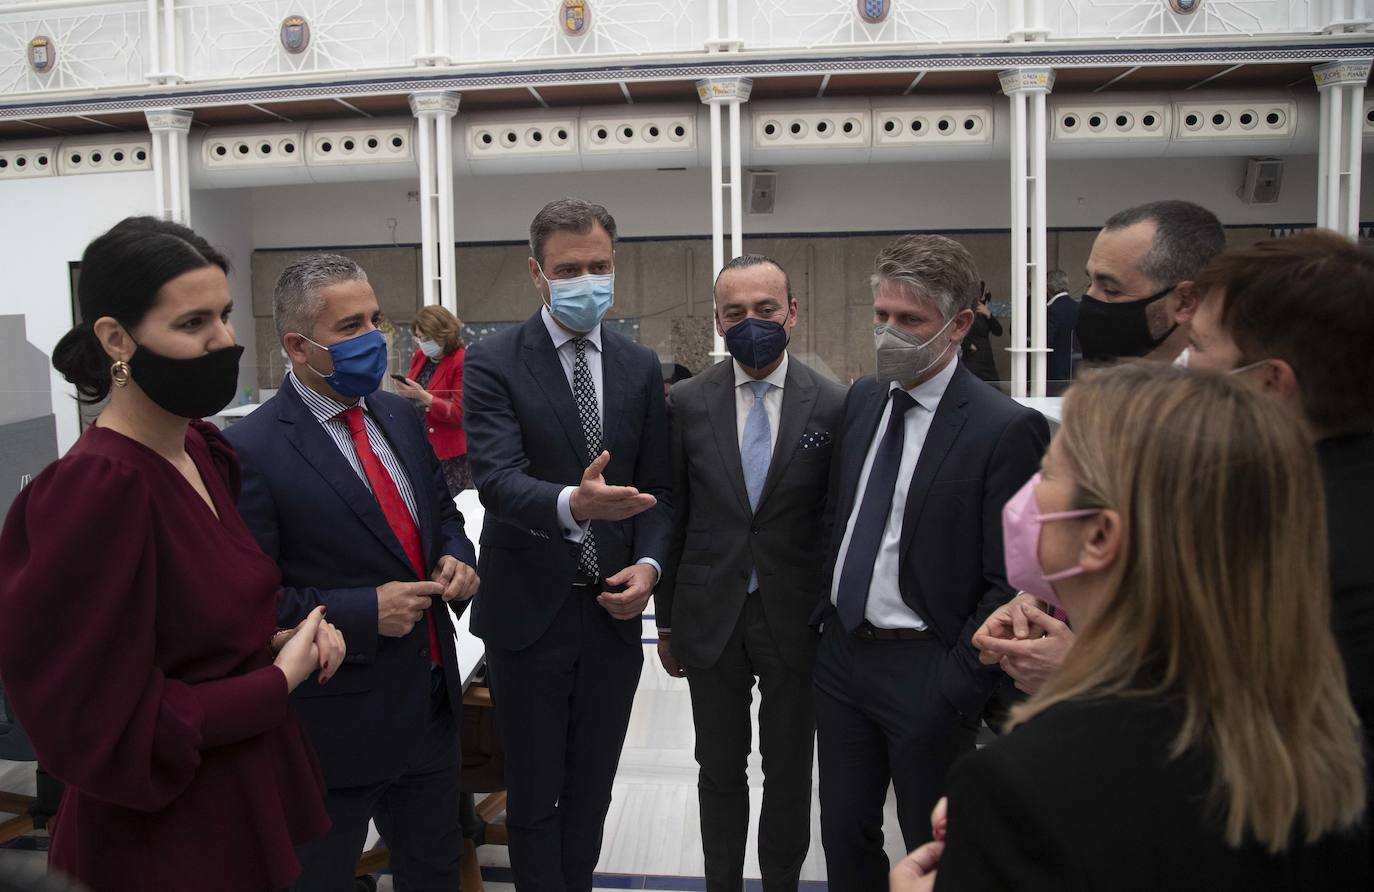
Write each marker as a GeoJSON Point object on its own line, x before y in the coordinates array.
{"type": "Point", "coordinates": [393, 506]}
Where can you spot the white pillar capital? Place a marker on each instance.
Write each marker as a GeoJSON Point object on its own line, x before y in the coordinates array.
{"type": "Point", "coordinates": [169, 120]}
{"type": "Point", "coordinates": [724, 90]}
{"type": "Point", "coordinates": [435, 103]}
{"type": "Point", "coordinates": [1342, 73]}
{"type": "Point", "coordinates": [1026, 80]}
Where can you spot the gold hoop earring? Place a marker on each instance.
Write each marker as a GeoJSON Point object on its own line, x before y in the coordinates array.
{"type": "Point", "coordinates": [119, 373]}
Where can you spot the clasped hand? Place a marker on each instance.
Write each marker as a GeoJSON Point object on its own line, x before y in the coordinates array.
{"type": "Point", "coordinates": [313, 644]}
{"type": "Point", "coordinates": [1026, 642]}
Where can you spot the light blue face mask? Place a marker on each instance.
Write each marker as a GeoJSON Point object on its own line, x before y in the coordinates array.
{"type": "Point", "coordinates": [580, 303]}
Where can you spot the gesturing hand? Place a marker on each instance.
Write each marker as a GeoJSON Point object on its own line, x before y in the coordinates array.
{"type": "Point", "coordinates": [460, 581]}
{"type": "Point", "coordinates": [401, 604]}
{"type": "Point", "coordinates": [594, 499]}
{"type": "Point", "coordinates": [638, 580]}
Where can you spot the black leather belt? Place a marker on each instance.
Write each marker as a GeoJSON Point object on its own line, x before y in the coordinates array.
{"type": "Point", "coordinates": [580, 581]}
{"type": "Point", "coordinates": [870, 632]}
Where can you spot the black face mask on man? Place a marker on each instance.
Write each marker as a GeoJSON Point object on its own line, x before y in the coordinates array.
{"type": "Point", "coordinates": [1118, 330]}
{"type": "Point", "coordinates": [188, 388]}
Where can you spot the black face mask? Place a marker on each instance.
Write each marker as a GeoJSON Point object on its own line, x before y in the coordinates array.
{"type": "Point", "coordinates": [1117, 330]}
{"type": "Point", "coordinates": [188, 388]}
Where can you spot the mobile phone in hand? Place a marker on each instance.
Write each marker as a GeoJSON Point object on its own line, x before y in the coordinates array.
{"type": "Point", "coordinates": [401, 378]}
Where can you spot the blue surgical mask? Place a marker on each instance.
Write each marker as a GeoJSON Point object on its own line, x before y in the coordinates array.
{"type": "Point", "coordinates": [580, 303]}
{"type": "Point", "coordinates": [359, 364]}
{"type": "Point", "coordinates": [755, 343]}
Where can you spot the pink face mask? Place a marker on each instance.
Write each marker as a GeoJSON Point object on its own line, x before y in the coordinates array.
{"type": "Point", "coordinates": [1021, 520]}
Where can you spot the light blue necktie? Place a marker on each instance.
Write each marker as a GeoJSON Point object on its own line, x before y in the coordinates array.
{"type": "Point", "coordinates": [755, 453]}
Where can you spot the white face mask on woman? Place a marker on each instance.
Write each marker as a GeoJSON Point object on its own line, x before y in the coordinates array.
{"type": "Point", "coordinates": [429, 348]}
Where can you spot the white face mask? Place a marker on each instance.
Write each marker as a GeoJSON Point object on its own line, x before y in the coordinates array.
{"type": "Point", "coordinates": [429, 348]}
{"type": "Point", "coordinates": [901, 357]}
{"type": "Point", "coordinates": [1182, 360]}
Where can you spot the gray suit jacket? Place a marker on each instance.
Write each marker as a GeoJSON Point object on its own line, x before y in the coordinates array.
{"type": "Point", "coordinates": [716, 537]}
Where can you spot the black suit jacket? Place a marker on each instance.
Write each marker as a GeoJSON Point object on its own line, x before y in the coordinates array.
{"type": "Point", "coordinates": [525, 443]}
{"type": "Point", "coordinates": [314, 516]}
{"type": "Point", "coordinates": [1086, 796]}
{"type": "Point", "coordinates": [1060, 319]}
{"type": "Point", "coordinates": [980, 449]}
{"type": "Point", "coordinates": [1348, 466]}
{"type": "Point", "coordinates": [717, 538]}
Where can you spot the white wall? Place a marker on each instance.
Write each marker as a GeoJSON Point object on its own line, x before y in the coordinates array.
{"type": "Point", "coordinates": [225, 219]}
{"type": "Point", "coordinates": [857, 198]}
{"type": "Point", "coordinates": [47, 223]}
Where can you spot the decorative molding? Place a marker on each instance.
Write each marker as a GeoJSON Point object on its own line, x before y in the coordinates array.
{"type": "Point", "coordinates": [1342, 73]}
{"type": "Point", "coordinates": [435, 102]}
{"type": "Point", "coordinates": [724, 90]}
{"type": "Point", "coordinates": [913, 63]}
{"type": "Point", "coordinates": [1026, 80]}
{"type": "Point", "coordinates": [173, 120]}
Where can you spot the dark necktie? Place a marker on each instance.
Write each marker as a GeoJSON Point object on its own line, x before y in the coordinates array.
{"type": "Point", "coordinates": [857, 573]}
{"type": "Point", "coordinates": [584, 392]}
{"type": "Point", "coordinates": [393, 507]}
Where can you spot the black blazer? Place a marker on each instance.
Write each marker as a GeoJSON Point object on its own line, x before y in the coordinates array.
{"type": "Point", "coordinates": [980, 449]}
{"type": "Point", "coordinates": [314, 516]}
{"type": "Point", "coordinates": [1085, 797]}
{"type": "Point", "coordinates": [1061, 317]}
{"type": "Point", "coordinates": [717, 538]}
{"type": "Point", "coordinates": [525, 443]}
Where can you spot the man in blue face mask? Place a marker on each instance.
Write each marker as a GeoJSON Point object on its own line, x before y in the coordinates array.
{"type": "Point", "coordinates": [752, 440]}
{"type": "Point", "coordinates": [342, 489]}
{"type": "Point", "coordinates": [568, 440]}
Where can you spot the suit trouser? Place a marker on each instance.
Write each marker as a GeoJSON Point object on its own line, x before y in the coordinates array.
{"type": "Point", "coordinates": [721, 700]}
{"type": "Point", "coordinates": [416, 814]}
{"type": "Point", "coordinates": [879, 716]}
{"type": "Point", "coordinates": [562, 706]}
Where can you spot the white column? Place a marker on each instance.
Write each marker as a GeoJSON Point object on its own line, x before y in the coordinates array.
{"type": "Point", "coordinates": [731, 92]}
{"type": "Point", "coordinates": [171, 166]}
{"type": "Point", "coordinates": [1028, 87]}
{"type": "Point", "coordinates": [170, 56]}
{"type": "Point", "coordinates": [153, 42]}
{"type": "Point", "coordinates": [434, 113]}
{"type": "Point", "coordinates": [1341, 85]}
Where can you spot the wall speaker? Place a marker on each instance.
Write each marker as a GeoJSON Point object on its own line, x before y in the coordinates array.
{"type": "Point", "coordinates": [763, 185]}
{"type": "Point", "coordinates": [1263, 177]}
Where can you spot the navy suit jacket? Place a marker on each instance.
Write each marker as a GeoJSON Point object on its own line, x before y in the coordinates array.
{"type": "Point", "coordinates": [1061, 317]}
{"type": "Point", "coordinates": [980, 449]}
{"type": "Point", "coordinates": [313, 515]}
{"type": "Point", "coordinates": [525, 443]}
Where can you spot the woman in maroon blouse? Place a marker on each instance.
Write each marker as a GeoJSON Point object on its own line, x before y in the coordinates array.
{"type": "Point", "coordinates": [137, 613]}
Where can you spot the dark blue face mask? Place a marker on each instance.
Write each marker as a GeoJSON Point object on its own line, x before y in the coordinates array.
{"type": "Point", "coordinates": [756, 343]}
{"type": "Point", "coordinates": [359, 364]}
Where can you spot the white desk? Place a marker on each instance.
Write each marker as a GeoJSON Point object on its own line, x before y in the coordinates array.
{"type": "Point", "coordinates": [1052, 407]}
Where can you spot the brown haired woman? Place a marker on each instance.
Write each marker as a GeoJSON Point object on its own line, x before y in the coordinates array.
{"type": "Point", "coordinates": [435, 383]}
{"type": "Point", "coordinates": [138, 642]}
{"type": "Point", "coordinates": [1198, 734]}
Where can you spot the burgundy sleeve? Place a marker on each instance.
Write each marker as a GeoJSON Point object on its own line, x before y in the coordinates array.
{"type": "Point", "coordinates": [79, 594]}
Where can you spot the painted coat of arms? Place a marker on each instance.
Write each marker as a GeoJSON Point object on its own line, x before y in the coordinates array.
{"type": "Point", "coordinates": [874, 11]}
{"type": "Point", "coordinates": [1184, 7]}
{"type": "Point", "coordinates": [42, 54]}
{"type": "Point", "coordinates": [575, 17]}
{"type": "Point", "coordinates": [295, 34]}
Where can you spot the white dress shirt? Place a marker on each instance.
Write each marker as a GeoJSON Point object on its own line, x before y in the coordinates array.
{"type": "Point", "coordinates": [772, 401]}
{"type": "Point", "coordinates": [885, 608]}
{"type": "Point", "coordinates": [567, 356]}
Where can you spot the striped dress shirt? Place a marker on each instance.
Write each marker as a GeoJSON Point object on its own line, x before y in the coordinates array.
{"type": "Point", "coordinates": [326, 412]}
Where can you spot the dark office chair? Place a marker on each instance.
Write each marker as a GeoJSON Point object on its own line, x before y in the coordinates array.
{"type": "Point", "coordinates": [31, 812]}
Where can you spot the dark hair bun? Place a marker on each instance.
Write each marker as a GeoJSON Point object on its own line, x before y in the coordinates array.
{"type": "Point", "coordinates": [83, 362]}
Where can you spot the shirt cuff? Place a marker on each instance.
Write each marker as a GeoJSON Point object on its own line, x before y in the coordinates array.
{"type": "Point", "coordinates": [658, 571]}
{"type": "Point", "coordinates": [572, 530]}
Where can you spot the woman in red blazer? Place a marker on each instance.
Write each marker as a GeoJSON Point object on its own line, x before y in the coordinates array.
{"type": "Point", "coordinates": [435, 384]}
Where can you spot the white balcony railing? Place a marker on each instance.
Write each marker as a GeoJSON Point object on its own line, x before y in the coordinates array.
{"type": "Point", "coordinates": [108, 44]}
